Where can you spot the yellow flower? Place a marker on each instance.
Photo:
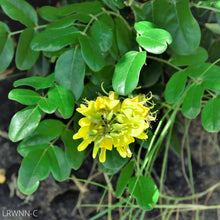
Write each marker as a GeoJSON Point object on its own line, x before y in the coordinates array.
{"type": "Point", "coordinates": [110, 122]}
{"type": "Point", "coordinates": [2, 176]}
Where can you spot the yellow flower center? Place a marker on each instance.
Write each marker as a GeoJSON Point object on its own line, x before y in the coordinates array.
{"type": "Point", "coordinates": [109, 123]}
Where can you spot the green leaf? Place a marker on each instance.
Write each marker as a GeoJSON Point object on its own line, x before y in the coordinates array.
{"type": "Point", "coordinates": [175, 143]}
{"type": "Point", "coordinates": [49, 13]}
{"type": "Point", "coordinates": [102, 34]}
{"type": "Point", "coordinates": [21, 11]}
{"type": "Point", "coordinates": [103, 76]}
{"type": "Point", "coordinates": [213, 27]}
{"type": "Point", "coordinates": [114, 50]}
{"type": "Point", "coordinates": [124, 177]}
{"type": "Point", "coordinates": [64, 100]}
{"type": "Point", "coordinates": [207, 74]}
{"type": "Point", "coordinates": [58, 39]}
{"type": "Point", "coordinates": [91, 53]}
{"type": "Point", "coordinates": [25, 56]}
{"type": "Point", "coordinates": [74, 157]}
{"type": "Point", "coordinates": [123, 35]}
{"type": "Point", "coordinates": [143, 26]}
{"type": "Point", "coordinates": [70, 71]}
{"type": "Point", "coordinates": [24, 96]}
{"type": "Point", "coordinates": [62, 23]}
{"type": "Point", "coordinates": [200, 55]}
{"type": "Point", "coordinates": [175, 87]}
{"type": "Point", "coordinates": [4, 31]}
{"type": "Point", "coordinates": [47, 130]}
{"type": "Point", "coordinates": [114, 162]}
{"type": "Point", "coordinates": [58, 163]}
{"type": "Point", "coordinates": [151, 74]}
{"type": "Point", "coordinates": [154, 40]}
{"type": "Point", "coordinates": [177, 19]}
{"type": "Point", "coordinates": [47, 105]}
{"type": "Point", "coordinates": [85, 8]}
{"type": "Point", "coordinates": [7, 54]}
{"type": "Point", "coordinates": [211, 115]}
{"type": "Point", "coordinates": [143, 12]}
{"type": "Point", "coordinates": [126, 75]}
{"type": "Point", "coordinates": [36, 82]}
{"type": "Point", "coordinates": [24, 122]}
{"type": "Point", "coordinates": [53, 55]}
{"type": "Point", "coordinates": [114, 5]}
{"type": "Point", "coordinates": [214, 51]}
{"type": "Point", "coordinates": [192, 102]}
{"type": "Point", "coordinates": [42, 66]}
{"type": "Point", "coordinates": [216, 4]}
{"type": "Point", "coordinates": [90, 91]}
{"type": "Point", "coordinates": [34, 167]}
{"type": "Point", "coordinates": [24, 150]}
{"type": "Point", "coordinates": [145, 191]}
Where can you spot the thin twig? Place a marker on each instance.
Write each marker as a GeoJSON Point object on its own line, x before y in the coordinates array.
{"type": "Point", "coordinates": [4, 134]}
{"type": "Point", "coordinates": [182, 154]}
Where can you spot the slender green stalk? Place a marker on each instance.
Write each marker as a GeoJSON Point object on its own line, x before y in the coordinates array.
{"type": "Point", "coordinates": [152, 146]}
{"type": "Point", "coordinates": [109, 188]}
{"type": "Point", "coordinates": [190, 164]}
{"type": "Point", "coordinates": [205, 7]}
{"type": "Point", "coordinates": [203, 73]}
{"type": "Point", "coordinates": [180, 207]}
{"type": "Point", "coordinates": [90, 182]}
{"type": "Point", "coordinates": [197, 195]}
{"type": "Point", "coordinates": [169, 212]}
{"type": "Point", "coordinates": [164, 163]}
{"type": "Point", "coordinates": [106, 210]}
{"type": "Point", "coordinates": [136, 214]}
{"type": "Point", "coordinates": [127, 213]}
{"type": "Point", "coordinates": [164, 61]}
{"type": "Point", "coordinates": [157, 145]}
{"type": "Point", "coordinates": [94, 17]}
{"type": "Point", "coordinates": [108, 181]}
{"type": "Point", "coordinates": [20, 31]}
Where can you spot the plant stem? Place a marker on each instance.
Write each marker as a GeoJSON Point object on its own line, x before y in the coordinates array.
{"type": "Point", "coordinates": [36, 28]}
{"type": "Point", "coordinates": [198, 195]}
{"type": "Point", "coordinates": [205, 7]}
{"type": "Point", "coordinates": [165, 61]}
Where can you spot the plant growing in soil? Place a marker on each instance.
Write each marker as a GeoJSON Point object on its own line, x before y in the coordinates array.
{"type": "Point", "coordinates": [108, 79]}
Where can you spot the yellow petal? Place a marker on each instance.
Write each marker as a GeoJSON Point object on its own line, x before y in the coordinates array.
{"type": "Point", "coordinates": [129, 153]}
{"type": "Point", "coordinates": [99, 103]}
{"type": "Point", "coordinates": [95, 151]}
{"type": "Point", "coordinates": [83, 145]}
{"type": "Point", "coordinates": [2, 176]}
{"type": "Point", "coordinates": [82, 109]}
{"type": "Point", "coordinates": [123, 140]}
{"type": "Point", "coordinates": [106, 143]}
{"type": "Point", "coordinates": [83, 132]}
{"type": "Point", "coordinates": [121, 151]}
{"type": "Point", "coordinates": [111, 104]}
{"type": "Point", "coordinates": [142, 135]}
{"type": "Point", "coordinates": [76, 136]}
{"type": "Point", "coordinates": [84, 122]}
{"type": "Point", "coordinates": [113, 95]}
{"type": "Point", "coordinates": [102, 155]}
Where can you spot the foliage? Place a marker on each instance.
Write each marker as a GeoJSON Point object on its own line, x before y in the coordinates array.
{"type": "Point", "coordinates": [68, 52]}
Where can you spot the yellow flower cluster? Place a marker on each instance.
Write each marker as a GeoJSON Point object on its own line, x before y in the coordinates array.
{"type": "Point", "coordinates": [110, 122]}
